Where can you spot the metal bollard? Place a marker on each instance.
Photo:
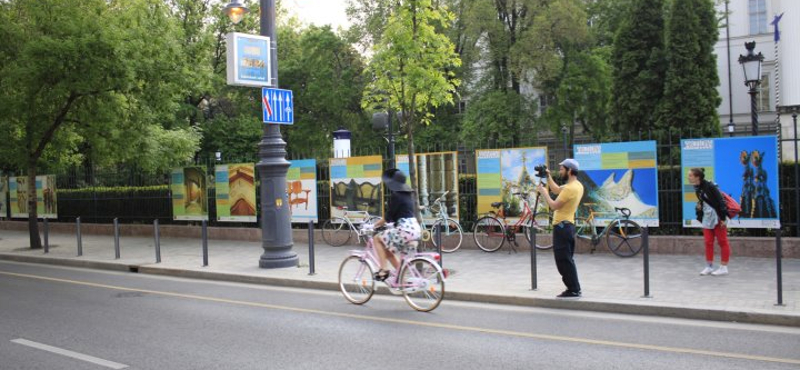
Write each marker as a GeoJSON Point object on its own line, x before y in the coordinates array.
{"type": "Point", "coordinates": [80, 243]}
{"type": "Point", "coordinates": [205, 243]}
{"type": "Point", "coordinates": [311, 266]}
{"type": "Point", "coordinates": [646, 246]}
{"type": "Point", "coordinates": [778, 262]}
{"type": "Point", "coordinates": [158, 241]}
{"type": "Point", "coordinates": [46, 236]}
{"type": "Point", "coordinates": [116, 239]}
{"type": "Point", "coordinates": [439, 245]}
{"type": "Point", "coordinates": [534, 267]}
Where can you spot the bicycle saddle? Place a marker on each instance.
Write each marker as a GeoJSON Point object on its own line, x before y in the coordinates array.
{"type": "Point", "coordinates": [625, 211]}
{"type": "Point", "coordinates": [497, 204]}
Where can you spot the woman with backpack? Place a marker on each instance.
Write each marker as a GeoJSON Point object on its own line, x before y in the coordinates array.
{"type": "Point", "coordinates": [712, 212]}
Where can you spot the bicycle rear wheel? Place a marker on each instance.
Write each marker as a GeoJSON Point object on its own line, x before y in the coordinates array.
{"type": "Point", "coordinates": [422, 283]}
{"type": "Point", "coordinates": [489, 234]}
{"type": "Point", "coordinates": [624, 238]}
{"type": "Point", "coordinates": [452, 236]}
{"type": "Point", "coordinates": [543, 222]}
{"type": "Point", "coordinates": [336, 232]}
{"type": "Point", "coordinates": [356, 280]}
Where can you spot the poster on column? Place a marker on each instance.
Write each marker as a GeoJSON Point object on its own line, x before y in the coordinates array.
{"type": "Point", "coordinates": [301, 184]}
{"type": "Point", "coordinates": [504, 172]}
{"type": "Point", "coordinates": [746, 168]}
{"type": "Point", "coordinates": [46, 202]}
{"type": "Point", "coordinates": [3, 195]}
{"type": "Point", "coordinates": [18, 202]}
{"type": "Point", "coordinates": [189, 187]}
{"type": "Point", "coordinates": [235, 192]}
{"type": "Point", "coordinates": [619, 175]}
{"type": "Point", "coordinates": [437, 176]}
{"type": "Point", "coordinates": [356, 185]}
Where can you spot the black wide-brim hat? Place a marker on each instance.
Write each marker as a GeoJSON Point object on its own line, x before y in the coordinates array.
{"type": "Point", "coordinates": [395, 180]}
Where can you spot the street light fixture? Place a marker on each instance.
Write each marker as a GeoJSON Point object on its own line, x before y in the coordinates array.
{"type": "Point", "coordinates": [751, 64]}
{"type": "Point", "coordinates": [235, 11]}
{"type": "Point", "coordinates": [276, 220]}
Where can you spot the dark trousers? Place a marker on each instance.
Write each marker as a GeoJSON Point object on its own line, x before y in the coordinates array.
{"type": "Point", "coordinates": [563, 250]}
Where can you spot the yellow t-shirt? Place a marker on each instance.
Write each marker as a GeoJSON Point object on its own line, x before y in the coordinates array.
{"type": "Point", "coordinates": [571, 195]}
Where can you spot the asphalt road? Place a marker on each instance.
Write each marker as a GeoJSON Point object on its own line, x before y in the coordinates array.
{"type": "Point", "coordinates": [64, 318]}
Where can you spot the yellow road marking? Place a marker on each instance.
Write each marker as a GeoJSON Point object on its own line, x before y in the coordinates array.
{"type": "Point", "coordinates": [425, 324]}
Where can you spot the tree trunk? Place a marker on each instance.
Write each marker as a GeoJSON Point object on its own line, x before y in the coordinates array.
{"type": "Point", "coordinates": [412, 166]}
{"type": "Point", "coordinates": [33, 222]}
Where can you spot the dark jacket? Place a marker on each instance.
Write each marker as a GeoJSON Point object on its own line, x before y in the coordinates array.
{"type": "Point", "coordinates": [401, 205]}
{"type": "Point", "coordinates": [708, 192]}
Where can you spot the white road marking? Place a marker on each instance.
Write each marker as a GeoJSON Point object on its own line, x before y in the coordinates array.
{"type": "Point", "coordinates": [68, 353]}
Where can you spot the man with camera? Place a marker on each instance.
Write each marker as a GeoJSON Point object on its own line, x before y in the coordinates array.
{"type": "Point", "coordinates": [564, 207]}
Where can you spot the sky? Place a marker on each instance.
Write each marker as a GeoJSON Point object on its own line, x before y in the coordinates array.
{"type": "Point", "coordinates": [319, 12]}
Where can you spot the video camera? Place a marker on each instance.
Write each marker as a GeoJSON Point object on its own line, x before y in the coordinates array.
{"type": "Point", "coordinates": [541, 171]}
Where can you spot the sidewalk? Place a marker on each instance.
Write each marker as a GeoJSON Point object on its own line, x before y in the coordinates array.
{"type": "Point", "coordinates": [609, 283]}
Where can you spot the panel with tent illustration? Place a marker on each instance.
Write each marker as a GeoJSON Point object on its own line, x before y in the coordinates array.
{"type": "Point", "coordinates": [356, 185]}
{"type": "Point", "coordinates": [236, 192]}
{"type": "Point", "coordinates": [619, 175]}
{"type": "Point", "coordinates": [437, 173]}
{"type": "Point", "coordinates": [504, 172]}
{"type": "Point", "coordinates": [744, 167]}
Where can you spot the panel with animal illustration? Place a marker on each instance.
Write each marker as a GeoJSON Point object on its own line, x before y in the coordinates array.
{"type": "Point", "coordinates": [301, 184]}
{"type": "Point", "coordinates": [502, 173]}
{"type": "Point", "coordinates": [356, 185]}
{"type": "Point", "coordinates": [745, 168]}
{"type": "Point", "coordinates": [619, 175]}
{"type": "Point", "coordinates": [437, 175]}
{"type": "Point", "coordinates": [46, 204]}
{"type": "Point", "coordinates": [189, 188]}
{"type": "Point", "coordinates": [236, 192]}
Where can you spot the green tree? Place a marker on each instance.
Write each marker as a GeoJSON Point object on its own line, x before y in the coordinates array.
{"type": "Point", "coordinates": [690, 94]}
{"type": "Point", "coordinates": [639, 66]}
{"type": "Point", "coordinates": [95, 73]}
{"type": "Point", "coordinates": [411, 70]}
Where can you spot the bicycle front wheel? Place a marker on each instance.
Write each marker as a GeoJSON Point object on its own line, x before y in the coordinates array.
{"type": "Point", "coordinates": [452, 236]}
{"type": "Point", "coordinates": [422, 283]}
{"type": "Point", "coordinates": [489, 234]}
{"type": "Point", "coordinates": [584, 233]}
{"type": "Point", "coordinates": [624, 238]}
{"type": "Point", "coordinates": [336, 232]}
{"type": "Point", "coordinates": [543, 222]}
{"type": "Point", "coordinates": [356, 280]}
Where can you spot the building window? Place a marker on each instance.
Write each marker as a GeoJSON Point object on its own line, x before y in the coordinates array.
{"type": "Point", "coordinates": [544, 102]}
{"type": "Point", "coordinates": [758, 16]}
{"type": "Point", "coordinates": [762, 99]}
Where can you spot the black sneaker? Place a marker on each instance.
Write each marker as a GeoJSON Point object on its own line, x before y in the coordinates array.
{"type": "Point", "coordinates": [569, 294]}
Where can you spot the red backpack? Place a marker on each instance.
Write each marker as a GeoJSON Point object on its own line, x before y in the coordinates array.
{"type": "Point", "coordinates": [733, 206]}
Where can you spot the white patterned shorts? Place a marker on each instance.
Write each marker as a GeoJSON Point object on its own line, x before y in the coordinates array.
{"type": "Point", "coordinates": [398, 239]}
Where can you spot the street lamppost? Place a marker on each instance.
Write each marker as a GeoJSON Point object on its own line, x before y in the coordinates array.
{"type": "Point", "coordinates": [564, 132]}
{"type": "Point", "coordinates": [751, 64]}
{"type": "Point", "coordinates": [383, 121]}
{"type": "Point", "coordinates": [731, 127]}
{"type": "Point", "coordinates": [276, 222]}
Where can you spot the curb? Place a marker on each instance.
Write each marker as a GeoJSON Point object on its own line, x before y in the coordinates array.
{"type": "Point", "coordinates": [672, 311]}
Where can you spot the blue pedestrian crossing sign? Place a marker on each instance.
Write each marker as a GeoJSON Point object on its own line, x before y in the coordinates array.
{"type": "Point", "coordinates": [277, 106]}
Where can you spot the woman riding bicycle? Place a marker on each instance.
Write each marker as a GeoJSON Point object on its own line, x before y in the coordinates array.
{"type": "Point", "coordinates": [401, 212]}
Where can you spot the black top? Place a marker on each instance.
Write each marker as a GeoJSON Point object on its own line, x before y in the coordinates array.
{"type": "Point", "coordinates": [708, 192]}
{"type": "Point", "coordinates": [401, 205]}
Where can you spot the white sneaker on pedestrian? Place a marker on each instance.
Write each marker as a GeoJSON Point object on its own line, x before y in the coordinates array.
{"type": "Point", "coordinates": [722, 270]}
{"type": "Point", "coordinates": [706, 271]}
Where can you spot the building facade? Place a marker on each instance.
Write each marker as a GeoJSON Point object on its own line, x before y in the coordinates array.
{"type": "Point", "coordinates": [779, 92]}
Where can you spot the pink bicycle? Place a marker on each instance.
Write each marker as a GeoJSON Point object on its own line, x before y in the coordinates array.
{"type": "Point", "coordinates": [420, 281]}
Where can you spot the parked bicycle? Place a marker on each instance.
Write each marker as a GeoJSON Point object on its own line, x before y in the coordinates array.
{"type": "Point", "coordinates": [450, 229]}
{"type": "Point", "coordinates": [623, 235]}
{"type": "Point", "coordinates": [490, 233]}
{"type": "Point", "coordinates": [420, 279]}
{"type": "Point", "coordinates": [337, 231]}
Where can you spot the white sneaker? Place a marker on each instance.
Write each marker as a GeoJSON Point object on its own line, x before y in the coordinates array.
{"type": "Point", "coordinates": [706, 271]}
{"type": "Point", "coordinates": [722, 270]}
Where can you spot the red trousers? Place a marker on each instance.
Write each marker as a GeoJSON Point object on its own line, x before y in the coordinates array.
{"type": "Point", "coordinates": [721, 234]}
